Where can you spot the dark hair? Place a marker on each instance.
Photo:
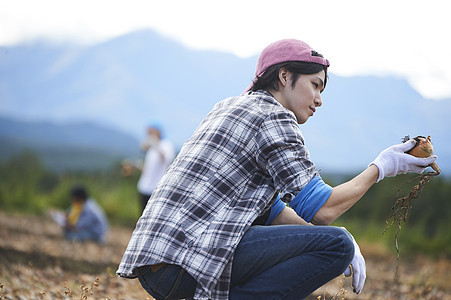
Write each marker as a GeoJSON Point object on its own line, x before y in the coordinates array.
{"type": "Point", "coordinates": [79, 192]}
{"type": "Point", "coordinates": [270, 79]}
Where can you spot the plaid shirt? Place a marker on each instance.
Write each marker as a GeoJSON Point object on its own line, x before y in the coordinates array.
{"type": "Point", "coordinates": [246, 151]}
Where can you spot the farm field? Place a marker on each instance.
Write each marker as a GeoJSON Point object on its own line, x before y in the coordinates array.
{"type": "Point", "coordinates": [37, 263]}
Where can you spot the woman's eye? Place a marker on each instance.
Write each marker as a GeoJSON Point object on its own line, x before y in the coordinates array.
{"type": "Point", "coordinates": [315, 85]}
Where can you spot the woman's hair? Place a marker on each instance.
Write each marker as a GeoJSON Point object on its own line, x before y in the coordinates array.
{"type": "Point", "coordinates": [270, 79]}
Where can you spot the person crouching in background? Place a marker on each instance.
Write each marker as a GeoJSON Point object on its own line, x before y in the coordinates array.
{"type": "Point", "coordinates": [85, 218]}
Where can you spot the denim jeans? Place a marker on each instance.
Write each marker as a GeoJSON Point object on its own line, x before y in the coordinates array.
{"type": "Point", "coordinates": [271, 262]}
{"type": "Point", "coordinates": [169, 282]}
{"type": "Point", "coordinates": [288, 262]}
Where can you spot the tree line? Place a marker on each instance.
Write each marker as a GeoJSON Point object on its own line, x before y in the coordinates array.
{"type": "Point", "coordinates": [26, 186]}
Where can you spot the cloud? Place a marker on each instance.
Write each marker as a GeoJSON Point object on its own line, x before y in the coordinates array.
{"type": "Point", "coordinates": [359, 37]}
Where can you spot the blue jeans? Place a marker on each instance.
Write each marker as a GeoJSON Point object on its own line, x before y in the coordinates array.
{"type": "Point", "coordinates": [270, 262]}
{"type": "Point", "coordinates": [169, 282]}
{"type": "Point", "coordinates": [288, 262]}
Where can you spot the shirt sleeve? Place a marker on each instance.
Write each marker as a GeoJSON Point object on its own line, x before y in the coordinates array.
{"type": "Point", "coordinates": [310, 199]}
{"type": "Point", "coordinates": [276, 209]}
{"type": "Point", "coordinates": [282, 154]}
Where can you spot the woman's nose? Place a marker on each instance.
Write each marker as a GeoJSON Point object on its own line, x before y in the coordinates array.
{"type": "Point", "coordinates": [318, 101]}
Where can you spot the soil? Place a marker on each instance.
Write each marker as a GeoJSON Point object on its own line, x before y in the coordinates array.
{"type": "Point", "coordinates": [36, 262]}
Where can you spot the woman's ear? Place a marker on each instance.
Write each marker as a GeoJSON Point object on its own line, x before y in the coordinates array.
{"type": "Point", "coordinates": [283, 76]}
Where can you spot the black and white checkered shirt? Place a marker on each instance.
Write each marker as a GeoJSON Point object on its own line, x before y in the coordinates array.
{"type": "Point", "coordinates": [246, 151]}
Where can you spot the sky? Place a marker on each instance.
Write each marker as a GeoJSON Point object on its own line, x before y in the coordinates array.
{"type": "Point", "coordinates": [403, 38]}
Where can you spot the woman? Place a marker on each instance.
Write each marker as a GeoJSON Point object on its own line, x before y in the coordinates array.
{"type": "Point", "coordinates": [195, 238]}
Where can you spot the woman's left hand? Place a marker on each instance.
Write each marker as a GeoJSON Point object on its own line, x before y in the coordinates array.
{"type": "Point", "coordinates": [357, 269]}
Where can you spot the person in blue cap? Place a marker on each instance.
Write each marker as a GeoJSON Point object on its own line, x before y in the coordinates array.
{"type": "Point", "coordinates": [159, 155]}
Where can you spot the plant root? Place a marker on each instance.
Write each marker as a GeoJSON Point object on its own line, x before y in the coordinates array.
{"type": "Point", "coordinates": [400, 209]}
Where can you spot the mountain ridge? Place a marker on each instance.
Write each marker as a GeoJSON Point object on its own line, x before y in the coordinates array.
{"type": "Point", "coordinates": [140, 78]}
{"type": "Point", "coordinates": [65, 146]}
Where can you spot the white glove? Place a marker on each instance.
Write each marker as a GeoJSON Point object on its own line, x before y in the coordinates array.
{"type": "Point", "coordinates": [393, 161]}
{"type": "Point", "coordinates": [358, 270]}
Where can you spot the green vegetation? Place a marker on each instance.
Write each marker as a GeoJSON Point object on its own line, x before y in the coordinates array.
{"type": "Point", "coordinates": [27, 187]}
{"type": "Point", "coordinates": [429, 217]}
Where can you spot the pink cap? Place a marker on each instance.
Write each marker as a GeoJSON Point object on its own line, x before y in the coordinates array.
{"type": "Point", "coordinates": [286, 50]}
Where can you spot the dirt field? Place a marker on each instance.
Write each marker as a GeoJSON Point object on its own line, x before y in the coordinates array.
{"type": "Point", "coordinates": [37, 263]}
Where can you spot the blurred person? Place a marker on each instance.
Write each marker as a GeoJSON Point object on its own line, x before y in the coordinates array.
{"type": "Point", "coordinates": [205, 233]}
{"type": "Point", "coordinates": [85, 219]}
{"type": "Point", "coordinates": [159, 154]}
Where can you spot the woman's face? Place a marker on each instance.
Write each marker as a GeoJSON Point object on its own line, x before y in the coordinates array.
{"type": "Point", "coordinates": [304, 97]}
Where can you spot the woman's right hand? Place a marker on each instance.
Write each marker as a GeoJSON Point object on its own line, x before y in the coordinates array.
{"type": "Point", "coordinates": [393, 161]}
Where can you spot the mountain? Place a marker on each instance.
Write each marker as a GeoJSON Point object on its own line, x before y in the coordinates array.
{"type": "Point", "coordinates": [127, 82]}
{"type": "Point", "coordinates": [67, 146]}
{"type": "Point", "coordinates": [140, 78]}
